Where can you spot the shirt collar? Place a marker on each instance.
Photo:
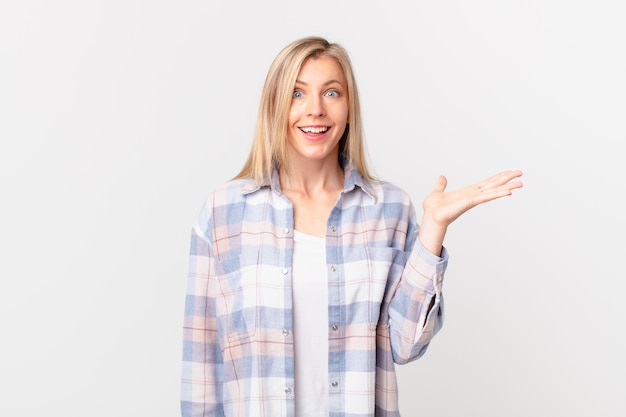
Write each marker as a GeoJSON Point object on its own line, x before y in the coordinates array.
{"type": "Point", "coordinates": [353, 180]}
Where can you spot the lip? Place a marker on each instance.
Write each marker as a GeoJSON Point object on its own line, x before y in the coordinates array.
{"type": "Point", "coordinates": [314, 137]}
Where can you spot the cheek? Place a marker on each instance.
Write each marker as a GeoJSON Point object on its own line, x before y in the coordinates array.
{"type": "Point", "coordinates": [344, 111]}
{"type": "Point", "coordinates": [344, 115]}
{"type": "Point", "coordinates": [294, 114]}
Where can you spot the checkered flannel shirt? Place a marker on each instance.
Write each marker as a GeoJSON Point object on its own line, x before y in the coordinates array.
{"type": "Point", "coordinates": [384, 301]}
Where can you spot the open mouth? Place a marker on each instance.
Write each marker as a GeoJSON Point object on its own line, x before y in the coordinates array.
{"type": "Point", "coordinates": [316, 129]}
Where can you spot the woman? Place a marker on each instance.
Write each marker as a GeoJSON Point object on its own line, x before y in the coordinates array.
{"type": "Point", "coordinates": [308, 278]}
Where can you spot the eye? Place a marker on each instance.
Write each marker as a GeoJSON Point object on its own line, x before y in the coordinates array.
{"type": "Point", "coordinates": [297, 94]}
{"type": "Point", "coordinates": [332, 93]}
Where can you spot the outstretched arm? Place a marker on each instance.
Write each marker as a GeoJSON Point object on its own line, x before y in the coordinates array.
{"type": "Point", "coordinates": [441, 208]}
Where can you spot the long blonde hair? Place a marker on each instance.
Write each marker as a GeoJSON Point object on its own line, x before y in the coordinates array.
{"type": "Point", "coordinates": [269, 147]}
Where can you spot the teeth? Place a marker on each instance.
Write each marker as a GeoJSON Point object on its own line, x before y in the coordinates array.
{"type": "Point", "coordinates": [314, 129]}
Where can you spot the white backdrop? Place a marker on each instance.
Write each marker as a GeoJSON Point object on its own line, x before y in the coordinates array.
{"type": "Point", "coordinates": [118, 117]}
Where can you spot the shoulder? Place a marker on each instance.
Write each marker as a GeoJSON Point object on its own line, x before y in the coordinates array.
{"type": "Point", "coordinates": [392, 211]}
{"type": "Point", "coordinates": [222, 206]}
{"type": "Point", "coordinates": [384, 201]}
{"type": "Point", "coordinates": [386, 192]}
{"type": "Point", "coordinates": [231, 192]}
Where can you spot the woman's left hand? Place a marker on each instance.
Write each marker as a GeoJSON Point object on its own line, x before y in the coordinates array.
{"type": "Point", "coordinates": [442, 207]}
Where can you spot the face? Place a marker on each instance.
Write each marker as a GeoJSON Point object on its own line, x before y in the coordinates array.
{"type": "Point", "coordinates": [318, 113]}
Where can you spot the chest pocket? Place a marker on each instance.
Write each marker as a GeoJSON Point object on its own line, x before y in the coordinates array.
{"type": "Point", "coordinates": [237, 306]}
{"type": "Point", "coordinates": [367, 280]}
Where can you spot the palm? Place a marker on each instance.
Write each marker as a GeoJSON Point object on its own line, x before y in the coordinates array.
{"type": "Point", "coordinates": [443, 207]}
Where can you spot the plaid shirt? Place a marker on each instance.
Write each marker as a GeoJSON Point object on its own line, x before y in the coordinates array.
{"type": "Point", "coordinates": [384, 301]}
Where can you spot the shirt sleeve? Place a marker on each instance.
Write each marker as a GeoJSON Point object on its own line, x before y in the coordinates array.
{"type": "Point", "coordinates": [202, 366]}
{"type": "Point", "coordinates": [416, 308]}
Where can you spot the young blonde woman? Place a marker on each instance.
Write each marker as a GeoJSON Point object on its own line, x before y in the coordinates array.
{"type": "Point", "coordinates": [309, 279]}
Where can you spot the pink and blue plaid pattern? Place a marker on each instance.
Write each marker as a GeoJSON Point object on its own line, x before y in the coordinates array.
{"type": "Point", "coordinates": [384, 305]}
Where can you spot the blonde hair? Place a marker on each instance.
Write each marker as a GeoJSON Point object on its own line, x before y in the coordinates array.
{"type": "Point", "coordinates": [269, 147]}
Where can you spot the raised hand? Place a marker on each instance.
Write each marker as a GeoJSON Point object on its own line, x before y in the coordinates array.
{"type": "Point", "coordinates": [442, 207]}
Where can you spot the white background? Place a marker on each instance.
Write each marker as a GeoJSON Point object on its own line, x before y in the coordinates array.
{"type": "Point", "coordinates": [118, 117]}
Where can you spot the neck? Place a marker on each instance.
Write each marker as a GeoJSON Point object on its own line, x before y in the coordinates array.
{"type": "Point", "coordinates": [312, 177]}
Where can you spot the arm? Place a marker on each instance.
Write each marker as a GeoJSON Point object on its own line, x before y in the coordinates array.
{"type": "Point", "coordinates": [201, 388]}
{"type": "Point", "coordinates": [416, 309]}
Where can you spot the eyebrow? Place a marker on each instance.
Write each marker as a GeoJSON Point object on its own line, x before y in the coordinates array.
{"type": "Point", "coordinates": [333, 81]}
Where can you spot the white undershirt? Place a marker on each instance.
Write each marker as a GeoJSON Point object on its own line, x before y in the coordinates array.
{"type": "Point", "coordinates": [310, 314]}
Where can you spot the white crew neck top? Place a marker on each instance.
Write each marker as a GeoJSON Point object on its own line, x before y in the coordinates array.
{"type": "Point", "coordinates": [310, 328]}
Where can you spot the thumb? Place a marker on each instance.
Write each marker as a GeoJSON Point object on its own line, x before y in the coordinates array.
{"type": "Point", "coordinates": [441, 183]}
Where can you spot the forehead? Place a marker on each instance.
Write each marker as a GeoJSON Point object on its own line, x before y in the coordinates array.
{"type": "Point", "coordinates": [322, 68]}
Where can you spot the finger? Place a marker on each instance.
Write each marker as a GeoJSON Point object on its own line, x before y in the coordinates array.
{"type": "Point", "coordinates": [514, 184]}
{"type": "Point", "coordinates": [499, 179]}
{"type": "Point", "coordinates": [441, 184]}
{"type": "Point", "coordinates": [488, 194]}
{"type": "Point", "coordinates": [506, 176]}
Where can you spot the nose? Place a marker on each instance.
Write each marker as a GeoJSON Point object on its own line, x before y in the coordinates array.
{"type": "Point", "coordinates": [315, 107]}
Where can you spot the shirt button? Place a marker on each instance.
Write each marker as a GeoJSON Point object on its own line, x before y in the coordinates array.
{"type": "Point", "coordinates": [333, 229]}
{"type": "Point", "coordinates": [286, 230]}
{"type": "Point", "coordinates": [333, 268]}
{"type": "Point", "coordinates": [287, 390]}
{"type": "Point", "coordinates": [334, 384]}
{"type": "Point", "coordinates": [335, 327]}
{"type": "Point", "coordinates": [285, 332]}
{"type": "Point", "coordinates": [284, 271]}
